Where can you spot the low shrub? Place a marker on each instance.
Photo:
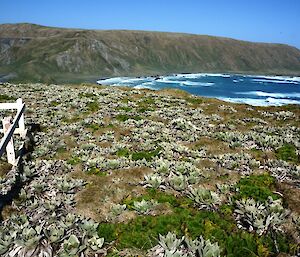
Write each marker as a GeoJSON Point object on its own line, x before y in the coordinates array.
{"type": "Point", "coordinates": [287, 153]}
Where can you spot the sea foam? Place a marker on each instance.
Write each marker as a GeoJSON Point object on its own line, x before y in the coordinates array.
{"type": "Point", "coordinates": [258, 90]}
{"type": "Point", "coordinates": [275, 81]}
{"type": "Point", "coordinates": [267, 94]}
{"type": "Point", "coordinates": [270, 101]}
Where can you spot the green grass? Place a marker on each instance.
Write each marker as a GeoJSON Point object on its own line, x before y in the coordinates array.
{"type": "Point", "coordinates": [7, 98]}
{"type": "Point", "coordinates": [93, 106]}
{"type": "Point", "coordinates": [143, 232]}
{"type": "Point", "coordinates": [61, 149]}
{"type": "Point", "coordinates": [287, 153]}
{"type": "Point", "coordinates": [125, 100]}
{"type": "Point", "coordinates": [108, 231]}
{"type": "Point", "coordinates": [74, 160]}
{"type": "Point", "coordinates": [147, 101]}
{"type": "Point", "coordinates": [71, 120]}
{"type": "Point", "coordinates": [125, 108]}
{"type": "Point", "coordinates": [87, 95]}
{"type": "Point", "coordinates": [125, 117]}
{"type": "Point", "coordinates": [160, 197]}
{"type": "Point", "coordinates": [145, 155]}
{"type": "Point", "coordinates": [193, 100]}
{"type": "Point", "coordinates": [145, 109]}
{"type": "Point", "coordinates": [94, 126]}
{"type": "Point", "coordinates": [258, 187]}
{"type": "Point", "coordinates": [148, 155]}
{"type": "Point", "coordinates": [96, 171]}
{"type": "Point", "coordinates": [54, 103]}
{"type": "Point", "coordinates": [123, 152]}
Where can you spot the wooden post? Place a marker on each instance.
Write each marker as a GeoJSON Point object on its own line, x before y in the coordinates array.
{"type": "Point", "coordinates": [9, 129]}
{"type": "Point", "coordinates": [22, 130]}
{"type": "Point", "coordinates": [10, 151]}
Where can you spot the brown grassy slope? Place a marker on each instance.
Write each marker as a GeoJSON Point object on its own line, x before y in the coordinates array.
{"type": "Point", "coordinates": [42, 53]}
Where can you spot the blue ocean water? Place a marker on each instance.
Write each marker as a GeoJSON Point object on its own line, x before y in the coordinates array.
{"type": "Point", "coordinates": [254, 90]}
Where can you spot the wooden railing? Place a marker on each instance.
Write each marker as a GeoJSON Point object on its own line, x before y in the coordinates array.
{"type": "Point", "coordinates": [10, 128]}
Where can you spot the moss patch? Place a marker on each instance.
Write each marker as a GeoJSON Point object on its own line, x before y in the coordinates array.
{"type": "Point", "coordinates": [7, 98]}
{"type": "Point", "coordinates": [125, 108]}
{"type": "Point", "coordinates": [194, 100]}
{"type": "Point", "coordinates": [125, 117]}
{"type": "Point", "coordinates": [87, 95]}
{"type": "Point", "coordinates": [287, 153]}
{"type": "Point", "coordinates": [143, 232]}
{"type": "Point", "coordinates": [94, 127]}
{"type": "Point", "coordinates": [258, 187]}
{"type": "Point", "coordinates": [160, 197]}
{"type": "Point", "coordinates": [93, 106]}
{"type": "Point", "coordinates": [148, 155]}
{"type": "Point", "coordinates": [74, 160]}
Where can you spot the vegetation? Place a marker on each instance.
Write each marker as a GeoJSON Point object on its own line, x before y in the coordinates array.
{"type": "Point", "coordinates": [7, 98]}
{"type": "Point", "coordinates": [143, 231]}
{"type": "Point", "coordinates": [287, 153]}
{"type": "Point", "coordinates": [87, 95]}
{"type": "Point", "coordinates": [147, 155]}
{"type": "Point", "coordinates": [258, 187]}
{"type": "Point", "coordinates": [125, 117]}
{"type": "Point", "coordinates": [181, 179]}
{"type": "Point", "coordinates": [160, 197]}
{"type": "Point", "coordinates": [93, 106]}
{"type": "Point", "coordinates": [4, 168]}
{"type": "Point", "coordinates": [54, 103]}
{"type": "Point", "coordinates": [194, 100]}
{"type": "Point", "coordinates": [155, 54]}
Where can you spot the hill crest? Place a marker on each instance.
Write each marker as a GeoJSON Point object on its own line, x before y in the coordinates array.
{"type": "Point", "coordinates": [39, 53]}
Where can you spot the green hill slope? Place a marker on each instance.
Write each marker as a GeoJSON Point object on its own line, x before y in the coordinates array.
{"type": "Point", "coordinates": [38, 53]}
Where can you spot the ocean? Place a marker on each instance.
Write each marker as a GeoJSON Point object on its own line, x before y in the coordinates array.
{"type": "Point", "coordinates": [254, 90]}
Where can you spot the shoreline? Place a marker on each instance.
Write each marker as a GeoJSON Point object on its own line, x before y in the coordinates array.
{"type": "Point", "coordinates": [255, 90]}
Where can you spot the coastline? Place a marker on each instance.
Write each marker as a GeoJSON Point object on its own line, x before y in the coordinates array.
{"type": "Point", "coordinates": [256, 90]}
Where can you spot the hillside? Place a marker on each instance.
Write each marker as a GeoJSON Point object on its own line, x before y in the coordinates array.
{"type": "Point", "coordinates": [124, 172]}
{"type": "Point", "coordinates": [37, 53]}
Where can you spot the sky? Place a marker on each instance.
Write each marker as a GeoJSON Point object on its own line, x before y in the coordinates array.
{"type": "Point", "coordinates": [274, 21]}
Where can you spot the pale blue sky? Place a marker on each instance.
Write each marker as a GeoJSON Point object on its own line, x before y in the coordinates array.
{"type": "Point", "coordinates": [253, 20]}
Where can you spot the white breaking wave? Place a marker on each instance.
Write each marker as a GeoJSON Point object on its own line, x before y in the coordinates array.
{"type": "Point", "coordinates": [266, 94]}
{"type": "Point", "coordinates": [198, 81]}
{"type": "Point", "coordinates": [295, 79]}
{"type": "Point", "coordinates": [121, 81]}
{"type": "Point", "coordinates": [133, 80]}
{"type": "Point", "coordinates": [250, 101]}
{"type": "Point", "coordinates": [168, 80]}
{"type": "Point", "coordinates": [200, 75]}
{"type": "Point", "coordinates": [216, 75]}
{"type": "Point", "coordinates": [147, 85]}
{"type": "Point", "coordinates": [202, 84]}
{"type": "Point", "coordinates": [260, 102]}
{"type": "Point", "coordinates": [111, 81]}
{"type": "Point", "coordinates": [191, 76]}
{"type": "Point", "coordinates": [281, 101]}
{"type": "Point", "coordinates": [275, 81]}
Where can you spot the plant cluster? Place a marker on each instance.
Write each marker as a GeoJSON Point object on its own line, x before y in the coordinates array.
{"type": "Point", "coordinates": [179, 147]}
{"type": "Point", "coordinates": [260, 217]}
{"type": "Point", "coordinates": [171, 246]}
